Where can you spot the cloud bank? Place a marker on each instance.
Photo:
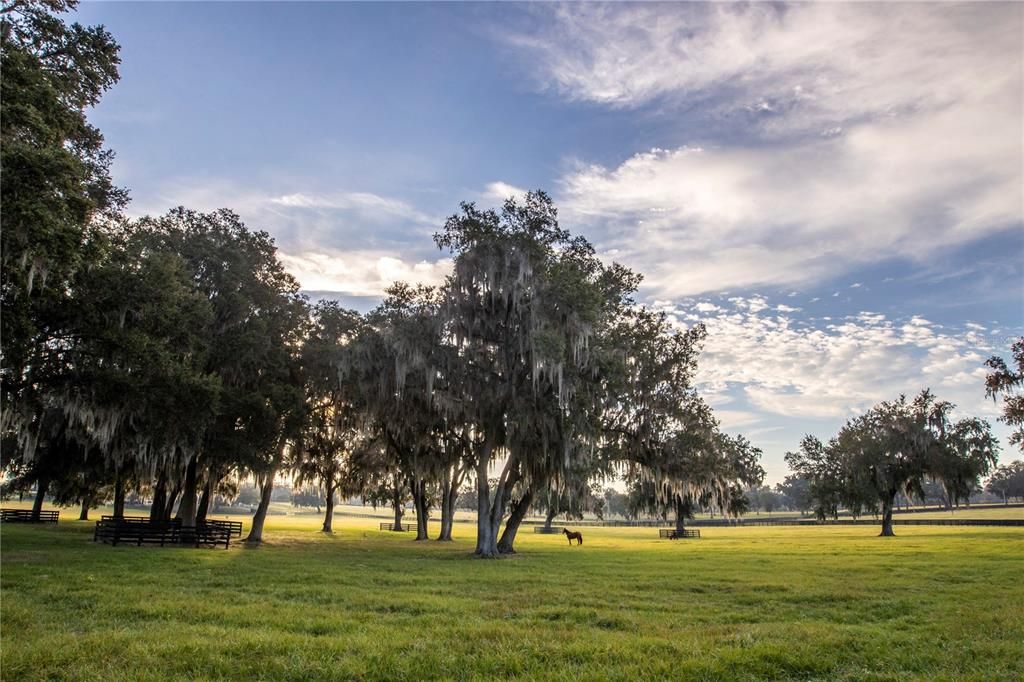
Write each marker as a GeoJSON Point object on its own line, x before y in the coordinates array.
{"type": "Point", "coordinates": [825, 368]}
{"type": "Point", "coordinates": [833, 135]}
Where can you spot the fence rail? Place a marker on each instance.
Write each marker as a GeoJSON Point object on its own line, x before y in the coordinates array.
{"type": "Point", "coordinates": [741, 523]}
{"type": "Point", "coordinates": [25, 516]}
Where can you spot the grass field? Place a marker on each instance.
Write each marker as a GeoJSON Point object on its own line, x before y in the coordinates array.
{"type": "Point", "coordinates": [759, 603]}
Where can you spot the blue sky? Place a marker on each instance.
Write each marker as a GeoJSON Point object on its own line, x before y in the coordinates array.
{"type": "Point", "coordinates": [835, 190]}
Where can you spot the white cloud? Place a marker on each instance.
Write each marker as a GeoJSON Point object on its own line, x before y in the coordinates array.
{"type": "Point", "coordinates": [500, 191]}
{"type": "Point", "coordinates": [922, 106]}
{"type": "Point", "coordinates": [361, 273]}
{"type": "Point", "coordinates": [835, 369]}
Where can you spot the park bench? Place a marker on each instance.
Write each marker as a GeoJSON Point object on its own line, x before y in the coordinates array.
{"type": "Point", "coordinates": [551, 531]}
{"type": "Point", "coordinates": [137, 530]}
{"type": "Point", "coordinates": [235, 527]}
{"type": "Point", "coordinates": [673, 534]}
{"type": "Point", "coordinates": [407, 526]}
{"type": "Point", "coordinates": [25, 516]}
{"type": "Point", "coordinates": [208, 535]}
{"type": "Point", "coordinates": [140, 530]}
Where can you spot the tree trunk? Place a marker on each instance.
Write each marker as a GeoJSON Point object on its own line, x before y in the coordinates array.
{"type": "Point", "coordinates": [419, 498]}
{"type": "Point", "coordinates": [486, 546]}
{"type": "Point", "coordinates": [37, 506]}
{"type": "Point", "coordinates": [119, 497]}
{"type": "Point", "coordinates": [680, 516]}
{"type": "Point", "coordinates": [887, 517]}
{"type": "Point", "coordinates": [168, 512]}
{"type": "Point", "coordinates": [490, 512]}
{"type": "Point", "coordinates": [396, 505]}
{"type": "Point", "coordinates": [506, 545]}
{"type": "Point", "coordinates": [84, 514]}
{"type": "Point", "coordinates": [203, 508]}
{"type": "Point", "coordinates": [187, 508]}
{"type": "Point", "coordinates": [449, 497]}
{"type": "Point", "coordinates": [255, 536]}
{"type": "Point", "coordinates": [329, 516]}
{"type": "Point", "coordinates": [447, 508]}
{"type": "Point", "coordinates": [156, 510]}
{"type": "Point", "coordinates": [549, 517]}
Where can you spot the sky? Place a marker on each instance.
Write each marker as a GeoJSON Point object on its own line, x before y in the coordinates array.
{"type": "Point", "coordinates": [834, 190]}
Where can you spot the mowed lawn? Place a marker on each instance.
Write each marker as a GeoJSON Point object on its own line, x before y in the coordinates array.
{"type": "Point", "coordinates": [758, 603]}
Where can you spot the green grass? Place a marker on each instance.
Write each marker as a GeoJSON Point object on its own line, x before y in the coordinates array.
{"type": "Point", "coordinates": [760, 603]}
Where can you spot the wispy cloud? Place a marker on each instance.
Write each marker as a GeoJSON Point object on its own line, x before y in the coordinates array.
{"type": "Point", "coordinates": [843, 133]}
{"type": "Point", "coordinates": [365, 203]}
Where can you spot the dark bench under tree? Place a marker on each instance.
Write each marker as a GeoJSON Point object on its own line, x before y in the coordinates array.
{"type": "Point", "coordinates": [405, 527]}
{"type": "Point", "coordinates": [678, 534]}
{"type": "Point", "coordinates": [139, 530]}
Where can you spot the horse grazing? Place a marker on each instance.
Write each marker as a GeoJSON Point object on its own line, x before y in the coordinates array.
{"type": "Point", "coordinates": [573, 535]}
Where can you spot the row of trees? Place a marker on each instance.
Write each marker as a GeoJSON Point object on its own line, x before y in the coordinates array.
{"type": "Point", "coordinates": [1007, 481]}
{"type": "Point", "coordinates": [170, 356]}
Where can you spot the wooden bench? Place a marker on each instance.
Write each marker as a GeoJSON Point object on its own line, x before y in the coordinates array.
{"type": "Point", "coordinates": [407, 526]}
{"type": "Point", "coordinates": [140, 530]}
{"type": "Point", "coordinates": [137, 530]}
{"type": "Point", "coordinates": [673, 534]}
{"type": "Point", "coordinates": [208, 535]}
{"type": "Point", "coordinates": [25, 516]}
{"type": "Point", "coordinates": [235, 527]}
{"type": "Point", "coordinates": [552, 530]}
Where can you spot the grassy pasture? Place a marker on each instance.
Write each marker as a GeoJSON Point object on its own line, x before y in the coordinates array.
{"type": "Point", "coordinates": [755, 603]}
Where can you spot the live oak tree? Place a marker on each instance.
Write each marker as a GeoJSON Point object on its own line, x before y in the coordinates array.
{"type": "Point", "coordinates": [895, 448]}
{"type": "Point", "coordinates": [56, 193]}
{"type": "Point", "coordinates": [524, 300]}
{"type": "Point", "coordinates": [334, 420]}
{"type": "Point", "coordinates": [1007, 481]}
{"type": "Point", "coordinates": [697, 468]}
{"type": "Point", "coordinates": [257, 320]}
{"type": "Point", "coordinates": [130, 390]}
{"type": "Point", "coordinates": [401, 361]}
{"type": "Point", "coordinates": [795, 492]}
{"type": "Point", "coordinates": [821, 467]}
{"type": "Point", "coordinates": [1008, 381]}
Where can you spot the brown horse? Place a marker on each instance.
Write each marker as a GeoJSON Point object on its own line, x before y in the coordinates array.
{"type": "Point", "coordinates": [573, 535]}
